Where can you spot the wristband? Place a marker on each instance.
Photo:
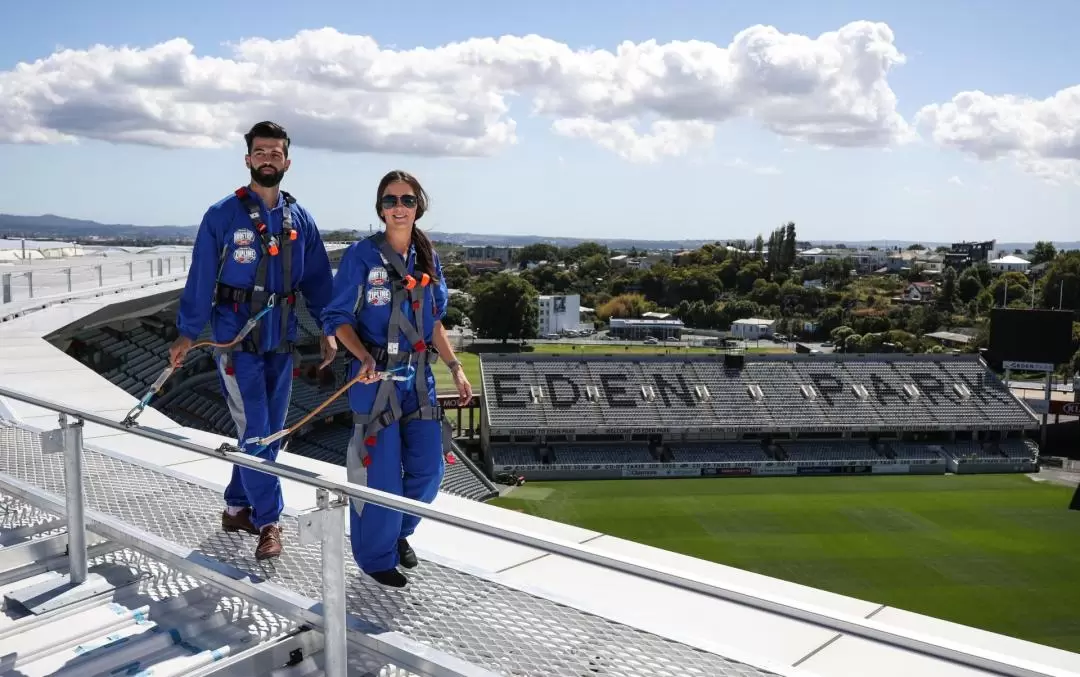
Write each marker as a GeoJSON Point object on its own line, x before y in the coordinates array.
{"type": "Point", "coordinates": [453, 364]}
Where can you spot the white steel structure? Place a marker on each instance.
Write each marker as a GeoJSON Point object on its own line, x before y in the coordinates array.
{"type": "Point", "coordinates": [161, 588]}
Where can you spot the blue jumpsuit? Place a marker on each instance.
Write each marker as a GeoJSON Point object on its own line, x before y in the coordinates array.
{"type": "Point", "coordinates": [406, 458]}
{"type": "Point", "coordinates": [255, 380]}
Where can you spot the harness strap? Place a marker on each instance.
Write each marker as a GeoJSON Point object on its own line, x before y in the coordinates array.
{"type": "Point", "coordinates": [271, 247]}
{"type": "Point", "coordinates": [405, 288]}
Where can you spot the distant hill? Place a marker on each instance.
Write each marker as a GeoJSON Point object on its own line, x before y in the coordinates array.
{"type": "Point", "coordinates": [59, 227]}
{"type": "Point", "coordinates": [63, 228]}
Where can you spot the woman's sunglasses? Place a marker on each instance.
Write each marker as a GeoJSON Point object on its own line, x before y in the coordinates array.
{"type": "Point", "coordinates": [391, 201]}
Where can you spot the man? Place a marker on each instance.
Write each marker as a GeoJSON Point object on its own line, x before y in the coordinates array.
{"type": "Point", "coordinates": [253, 249]}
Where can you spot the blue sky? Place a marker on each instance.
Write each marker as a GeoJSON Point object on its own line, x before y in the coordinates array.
{"type": "Point", "coordinates": [746, 179]}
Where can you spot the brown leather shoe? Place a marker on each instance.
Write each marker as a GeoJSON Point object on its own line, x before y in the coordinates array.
{"type": "Point", "coordinates": [269, 542]}
{"type": "Point", "coordinates": [241, 521]}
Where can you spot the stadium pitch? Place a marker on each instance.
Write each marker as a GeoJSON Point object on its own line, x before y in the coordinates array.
{"type": "Point", "coordinates": [997, 552]}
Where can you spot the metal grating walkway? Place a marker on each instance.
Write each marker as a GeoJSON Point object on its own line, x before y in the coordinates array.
{"type": "Point", "coordinates": [484, 623]}
{"type": "Point", "coordinates": [163, 589]}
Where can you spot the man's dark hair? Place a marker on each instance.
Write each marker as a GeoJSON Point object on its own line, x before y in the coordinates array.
{"type": "Point", "coordinates": [267, 130]}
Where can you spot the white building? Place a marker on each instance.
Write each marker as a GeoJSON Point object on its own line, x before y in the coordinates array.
{"type": "Point", "coordinates": [1009, 264]}
{"type": "Point", "coordinates": [559, 313]}
{"type": "Point", "coordinates": [26, 250]}
{"type": "Point", "coordinates": [864, 259]}
{"type": "Point", "coordinates": [752, 328]}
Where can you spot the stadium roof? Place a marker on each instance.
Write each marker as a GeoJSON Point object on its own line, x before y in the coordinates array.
{"type": "Point", "coordinates": [479, 605]}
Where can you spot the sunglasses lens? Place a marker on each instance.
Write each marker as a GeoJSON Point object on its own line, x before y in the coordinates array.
{"type": "Point", "coordinates": [391, 201]}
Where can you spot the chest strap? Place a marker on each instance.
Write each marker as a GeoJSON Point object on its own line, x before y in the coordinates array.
{"type": "Point", "coordinates": [271, 247]}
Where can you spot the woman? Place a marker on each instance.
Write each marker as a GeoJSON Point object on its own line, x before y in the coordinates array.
{"type": "Point", "coordinates": [389, 300]}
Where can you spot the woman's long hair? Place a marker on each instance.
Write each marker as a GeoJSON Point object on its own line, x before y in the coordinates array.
{"type": "Point", "coordinates": [425, 252]}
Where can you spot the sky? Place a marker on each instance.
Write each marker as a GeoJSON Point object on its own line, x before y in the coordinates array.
{"type": "Point", "coordinates": [679, 119]}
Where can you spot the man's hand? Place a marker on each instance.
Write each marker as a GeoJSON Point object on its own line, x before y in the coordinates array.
{"type": "Point", "coordinates": [367, 373]}
{"type": "Point", "coordinates": [328, 348]}
{"type": "Point", "coordinates": [179, 350]}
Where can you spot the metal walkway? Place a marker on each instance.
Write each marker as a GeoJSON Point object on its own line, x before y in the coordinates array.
{"type": "Point", "coordinates": [476, 620]}
{"type": "Point", "coordinates": [157, 621]}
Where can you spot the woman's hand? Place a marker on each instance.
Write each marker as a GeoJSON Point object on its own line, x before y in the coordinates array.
{"type": "Point", "coordinates": [464, 388]}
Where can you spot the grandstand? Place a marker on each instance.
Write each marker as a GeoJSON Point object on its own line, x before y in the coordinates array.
{"type": "Point", "coordinates": [566, 417]}
{"type": "Point", "coordinates": [132, 352]}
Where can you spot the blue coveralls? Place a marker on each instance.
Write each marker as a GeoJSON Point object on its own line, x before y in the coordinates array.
{"type": "Point", "coordinates": [406, 457]}
{"type": "Point", "coordinates": [255, 375]}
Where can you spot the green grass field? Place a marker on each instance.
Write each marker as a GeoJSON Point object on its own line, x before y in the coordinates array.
{"type": "Point", "coordinates": [998, 552]}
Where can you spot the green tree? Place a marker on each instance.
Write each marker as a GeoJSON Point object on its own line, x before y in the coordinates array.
{"type": "Point", "coordinates": [584, 251]}
{"type": "Point", "coordinates": [947, 296]}
{"type": "Point", "coordinates": [1043, 252]}
{"type": "Point", "coordinates": [505, 307]}
{"type": "Point", "coordinates": [968, 285]}
{"type": "Point", "coordinates": [457, 276]}
{"type": "Point", "coordinates": [1062, 282]}
{"type": "Point", "coordinates": [537, 252]}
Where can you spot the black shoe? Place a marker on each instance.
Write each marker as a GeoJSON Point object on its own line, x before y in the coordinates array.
{"type": "Point", "coordinates": [390, 577]}
{"type": "Point", "coordinates": [406, 555]}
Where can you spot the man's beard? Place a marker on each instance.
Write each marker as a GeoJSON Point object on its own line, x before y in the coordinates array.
{"type": "Point", "coordinates": [267, 180]}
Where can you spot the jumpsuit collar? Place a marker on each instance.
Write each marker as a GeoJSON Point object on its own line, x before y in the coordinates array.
{"type": "Point", "coordinates": [269, 208]}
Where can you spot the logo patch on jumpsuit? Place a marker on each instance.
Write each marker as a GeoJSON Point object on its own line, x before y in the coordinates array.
{"type": "Point", "coordinates": [244, 255]}
{"type": "Point", "coordinates": [242, 237]}
{"type": "Point", "coordinates": [378, 296]}
{"type": "Point", "coordinates": [378, 276]}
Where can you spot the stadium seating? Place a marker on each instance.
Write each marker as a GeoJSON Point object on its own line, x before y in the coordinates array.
{"type": "Point", "coordinates": [132, 353]}
{"type": "Point", "coordinates": [762, 414]}
{"type": "Point", "coordinates": [769, 392]}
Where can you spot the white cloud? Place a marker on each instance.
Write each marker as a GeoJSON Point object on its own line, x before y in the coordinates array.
{"type": "Point", "coordinates": [1041, 136]}
{"type": "Point", "coordinates": [346, 93]}
{"type": "Point", "coordinates": [955, 180]}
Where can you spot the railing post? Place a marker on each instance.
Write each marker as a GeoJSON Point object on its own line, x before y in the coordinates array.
{"type": "Point", "coordinates": [69, 278]}
{"type": "Point", "coordinates": [159, 267]}
{"type": "Point", "coordinates": [131, 271]}
{"type": "Point", "coordinates": [6, 284]}
{"type": "Point", "coordinates": [327, 524]}
{"type": "Point", "coordinates": [151, 263]}
{"type": "Point", "coordinates": [30, 282]}
{"type": "Point", "coordinates": [101, 275]}
{"type": "Point", "coordinates": [79, 584]}
{"type": "Point", "coordinates": [73, 482]}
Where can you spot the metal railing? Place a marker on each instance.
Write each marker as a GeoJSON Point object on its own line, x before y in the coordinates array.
{"type": "Point", "coordinates": [326, 524]}
{"type": "Point", "coordinates": [52, 277]}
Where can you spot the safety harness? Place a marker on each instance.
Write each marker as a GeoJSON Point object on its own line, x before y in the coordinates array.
{"type": "Point", "coordinates": [404, 287]}
{"type": "Point", "coordinates": [258, 298]}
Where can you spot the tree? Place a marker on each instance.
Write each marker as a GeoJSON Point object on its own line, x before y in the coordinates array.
{"type": "Point", "coordinates": [1043, 252]}
{"type": "Point", "coordinates": [537, 252]}
{"type": "Point", "coordinates": [505, 306]}
{"type": "Point", "coordinates": [947, 296]}
{"type": "Point", "coordinates": [969, 285]}
{"type": "Point", "coordinates": [1062, 282]}
{"type": "Point", "coordinates": [456, 275]}
{"type": "Point", "coordinates": [633, 305]}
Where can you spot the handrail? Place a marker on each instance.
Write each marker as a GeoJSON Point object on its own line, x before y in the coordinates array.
{"type": "Point", "coordinates": [841, 622]}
